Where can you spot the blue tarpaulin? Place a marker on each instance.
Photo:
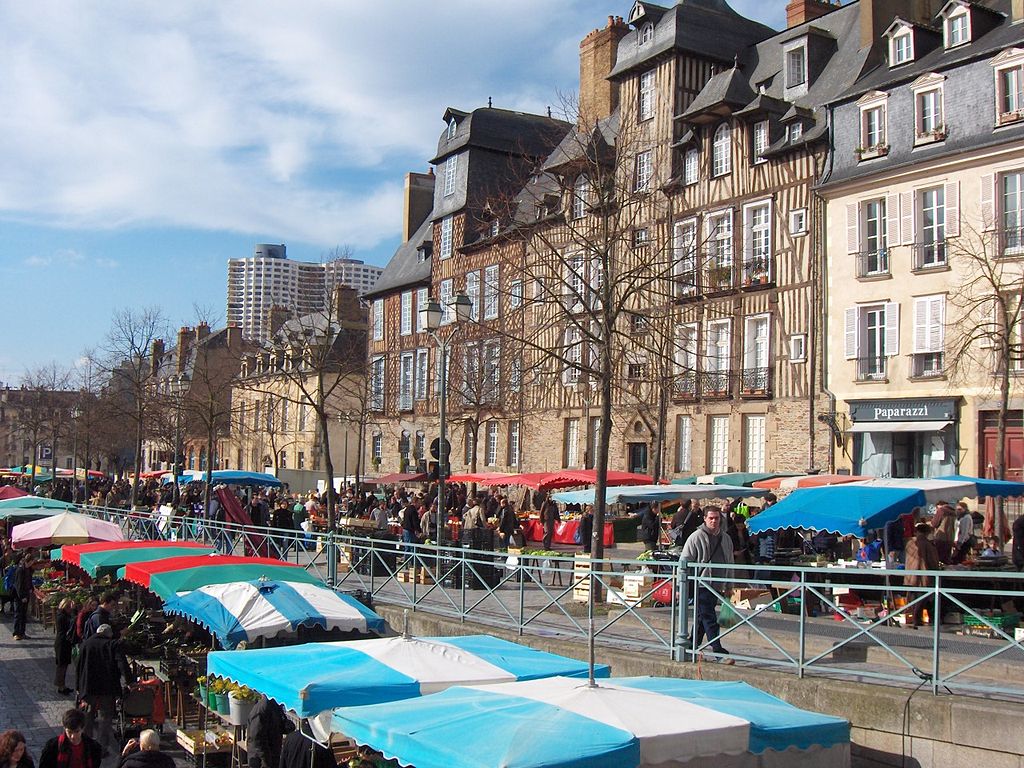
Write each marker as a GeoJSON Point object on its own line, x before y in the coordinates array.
{"type": "Point", "coordinates": [840, 509]}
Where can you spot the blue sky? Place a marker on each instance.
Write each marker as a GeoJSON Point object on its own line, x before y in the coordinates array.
{"type": "Point", "coordinates": [143, 144]}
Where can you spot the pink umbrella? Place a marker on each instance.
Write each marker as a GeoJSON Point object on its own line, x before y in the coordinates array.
{"type": "Point", "coordinates": [65, 528]}
{"type": "Point", "coordinates": [10, 492]}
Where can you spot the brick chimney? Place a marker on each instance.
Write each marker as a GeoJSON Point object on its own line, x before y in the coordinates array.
{"type": "Point", "coordinates": [877, 15]}
{"type": "Point", "coordinates": [156, 356]}
{"type": "Point", "coordinates": [346, 305]}
{"type": "Point", "coordinates": [234, 332]}
{"type": "Point", "coordinates": [419, 199]}
{"type": "Point", "coordinates": [598, 95]}
{"type": "Point", "coordinates": [277, 316]}
{"type": "Point", "coordinates": [202, 331]}
{"type": "Point", "coordinates": [185, 335]}
{"type": "Point", "coordinates": [799, 11]}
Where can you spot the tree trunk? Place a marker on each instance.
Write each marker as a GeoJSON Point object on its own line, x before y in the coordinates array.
{"type": "Point", "coordinates": [597, 535]}
{"type": "Point", "coordinates": [209, 469]}
{"type": "Point", "coordinates": [659, 439]}
{"type": "Point", "coordinates": [138, 456]}
{"type": "Point", "coordinates": [325, 442]}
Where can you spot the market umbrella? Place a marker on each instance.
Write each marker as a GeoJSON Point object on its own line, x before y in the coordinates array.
{"type": "Point", "coordinates": [239, 477]}
{"type": "Point", "coordinates": [486, 478]}
{"type": "Point", "coordinates": [106, 562]}
{"type": "Point", "coordinates": [840, 509]}
{"type": "Point", "coordinates": [245, 611]}
{"type": "Point", "coordinates": [397, 477]}
{"type": "Point", "coordinates": [748, 478]}
{"type": "Point", "coordinates": [11, 492]}
{"type": "Point", "coordinates": [35, 502]}
{"type": "Point", "coordinates": [640, 493]}
{"type": "Point", "coordinates": [316, 677]}
{"type": "Point", "coordinates": [65, 528]}
{"type": "Point", "coordinates": [620, 722]}
{"type": "Point", "coordinates": [168, 577]}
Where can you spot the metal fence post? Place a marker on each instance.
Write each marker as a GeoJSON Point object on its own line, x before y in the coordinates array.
{"type": "Point", "coordinates": [681, 594]}
{"type": "Point", "coordinates": [522, 596]}
{"type": "Point", "coordinates": [803, 623]}
{"type": "Point", "coordinates": [936, 618]}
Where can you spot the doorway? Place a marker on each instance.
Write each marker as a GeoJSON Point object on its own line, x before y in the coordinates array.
{"type": "Point", "coordinates": [637, 457]}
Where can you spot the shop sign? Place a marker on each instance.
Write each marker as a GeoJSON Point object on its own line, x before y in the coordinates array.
{"type": "Point", "coordinates": [903, 410]}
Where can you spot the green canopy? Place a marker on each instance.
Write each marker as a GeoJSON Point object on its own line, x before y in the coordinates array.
{"type": "Point", "coordinates": [107, 562]}
{"type": "Point", "coordinates": [691, 480]}
{"type": "Point", "coordinates": [39, 506]}
{"type": "Point", "coordinates": [749, 478]}
{"type": "Point", "coordinates": [24, 515]}
{"type": "Point", "coordinates": [169, 583]}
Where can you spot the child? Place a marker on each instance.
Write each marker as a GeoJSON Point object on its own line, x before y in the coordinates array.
{"type": "Point", "coordinates": [991, 548]}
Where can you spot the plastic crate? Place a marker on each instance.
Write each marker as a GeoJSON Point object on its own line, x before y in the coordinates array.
{"type": "Point", "coordinates": [1004, 621]}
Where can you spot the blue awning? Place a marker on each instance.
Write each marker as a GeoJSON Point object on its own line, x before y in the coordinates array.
{"type": "Point", "coordinates": [840, 509]}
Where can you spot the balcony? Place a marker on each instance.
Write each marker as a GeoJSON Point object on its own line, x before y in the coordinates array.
{"type": "Point", "coordinates": [927, 365]}
{"type": "Point", "coordinates": [718, 278]}
{"type": "Point", "coordinates": [715, 384]}
{"type": "Point", "coordinates": [405, 401]}
{"type": "Point", "coordinates": [687, 284]}
{"type": "Point", "coordinates": [930, 255]}
{"type": "Point", "coordinates": [684, 386]}
{"type": "Point", "coordinates": [757, 271]}
{"type": "Point", "coordinates": [873, 263]}
{"type": "Point", "coordinates": [756, 382]}
{"type": "Point", "coordinates": [871, 368]}
{"type": "Point", "coordinates": [1011, 241]}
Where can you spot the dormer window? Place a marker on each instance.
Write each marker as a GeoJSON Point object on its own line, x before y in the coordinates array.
{"type": "Point", "coordinates": [796, 132]}
{"type": "Point", "coordinates": [873, 133]}
{"type": "Point", "coordinates": [956, 27]}
{"type": "Point", "coordinates": [1009, 72]}
{"type": "Point", "coordinates": [452, 127]}
{"type": "Point", "coordinates": [645, 35]}
{"type": "Point", "coordinates": [796, 67]}
{"type": "Point", "coordinates": [580, 196]}
{"type": "Point", "coordinates": [901, 48]}
{"type": "Point", "coordinates": [495, 226]}
{"type": "Point", "coordinates": [929, 119]}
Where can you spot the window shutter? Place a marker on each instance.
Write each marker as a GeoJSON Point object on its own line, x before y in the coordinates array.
{"type": "Point", "coordinates": [851, 333]}
{"type": "Point", "coordinates": [936, 324]}
{"type": "Point", "coordinates": [852, 233]}
{"type": "Point", "coordinates": [892, 220]}
{"type": "Point", "coordinates": [907, 218]}
{"type": "Point", "coordinates": [921, 316]}
{"type": "Point", "coordinates": [892, 329]}
{"type": "Point", "coordinates": [988, 201]}
{"type": "Point", "coordinates": [952, 202]}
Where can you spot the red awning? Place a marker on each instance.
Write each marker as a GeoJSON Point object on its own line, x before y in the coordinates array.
{"type": "Point", "coordinates": [398, 477]}
{"type": "Point", "coordinates": [141, 572]}
{"type": "Point", "coordinates": [10, 492]}
{"type": "Point", "coordinates": [807, 481]}
{"type": "Point", "coordinates": [72, 553]}
{"type": "Point", "coordinates": [487, 478]}
{"type": "Point", "coordinates": [571, 478]}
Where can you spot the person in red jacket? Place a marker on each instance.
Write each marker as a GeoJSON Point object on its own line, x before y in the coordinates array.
{"type": "Point", "coordinates": [71, 748]}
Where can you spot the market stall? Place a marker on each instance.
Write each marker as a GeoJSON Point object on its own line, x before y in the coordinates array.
{"type": "Point", "coordinates": [245, 611]}
{"type": "Point", "coordinates": [63, 528]}
{"type": "Point", "coordinates": [106, 558]}
{"type": "Point", "coordinates": [11, 492]}
{"type": "Point", "coordinates": [846, 510]}
{"type": "Point", "coordinates": [618, 723]}
{"type": "Point", "coordinates": [33, 503]}
{"type": "Point", "coordinates": [792, 482]}
{"type": "Point", "coordinates": [565, 532]}
{"type": "Point", "coordinates": [650, 493]}
{"type": "Point", "coordinates": [168, 577]}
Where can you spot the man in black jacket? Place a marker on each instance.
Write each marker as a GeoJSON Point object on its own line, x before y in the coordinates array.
{"type": "Point", "coordinates": [103, 614]}
{"type": "Point", "coordinates": [22, 592]}
{"type": "Point", "coordinates": [71, 748]}
{"type": "Point", "coordinates": [145, 753]}
{"type": "Point", "coordinates": [267, 727]}
{"type": "Point", "coordinates": [101, 667]}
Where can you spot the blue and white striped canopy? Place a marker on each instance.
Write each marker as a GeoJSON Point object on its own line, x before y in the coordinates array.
{"type": "Point", "coordinates": [316, 677]}
{"type": "Point", "coordinates": [246, 610]}
{"type": "Point", "coordinates": [620, 723]}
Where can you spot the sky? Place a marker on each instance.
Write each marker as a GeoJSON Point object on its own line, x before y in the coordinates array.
{"type": "Point", "coordinates": [144, 144]}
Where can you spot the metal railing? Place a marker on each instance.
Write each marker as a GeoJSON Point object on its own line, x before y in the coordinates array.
{"type": "Point", "coordinates": [756, 382]}
{"type": "Point", "coordinates": [873, 263]}
{"type": "Point", "coordinates": [823, 621]}
{"type": "Point", "coordinates": [872, 368]}
{"type": "Point", "coordinates": [930, 255]}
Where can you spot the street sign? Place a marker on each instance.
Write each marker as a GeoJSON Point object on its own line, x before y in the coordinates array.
{"type": "Point", "coordinates": [435, 448]}
{"type": "Point", "coordinates": [45, 453]}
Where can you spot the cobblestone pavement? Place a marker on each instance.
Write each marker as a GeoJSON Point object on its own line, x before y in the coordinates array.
{"type": "Point", "coordinates": [29, 701]}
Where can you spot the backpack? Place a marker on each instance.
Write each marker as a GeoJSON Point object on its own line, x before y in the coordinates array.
{"type": "Point", "coordinates": [9, 578]}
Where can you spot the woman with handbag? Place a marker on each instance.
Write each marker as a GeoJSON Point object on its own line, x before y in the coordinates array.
{"type": "Point", "coordinates": [64, 643]}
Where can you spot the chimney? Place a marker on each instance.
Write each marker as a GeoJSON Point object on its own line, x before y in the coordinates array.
{"type": "Point", "coordinates": [277, 316]}
{"type": "Point", "coordinates": [800, 11]}
{"type": "Point", "coordinates": [184, 346]}
{"type": "Point", "coordinates": [877, 15]}
{"type": "Point", "coordinates": [202, 331]}
{"type": "Point", "coordinates": [234, 335]}
{"type": "Point", "coordinates": [156, 356]}
{"type": "Point", "coordinates": [419, 199]}
{"type": "Point", "coordinates": [598, 95]}
{"type": "Point", "coordinates": [346, 305]}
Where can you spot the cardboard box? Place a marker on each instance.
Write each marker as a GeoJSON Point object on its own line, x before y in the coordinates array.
{"type": "Point", "coordinates": [636, 585]}
{"type": "Point", "coordinates": [745, 598]}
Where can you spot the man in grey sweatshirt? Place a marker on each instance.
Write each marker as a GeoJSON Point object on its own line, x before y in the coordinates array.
{"type": "Point", "coordinates": [710, 544]}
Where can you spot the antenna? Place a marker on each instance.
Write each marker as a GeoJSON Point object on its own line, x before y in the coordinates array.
{"type": "Point", "coordinates": [488, 102]}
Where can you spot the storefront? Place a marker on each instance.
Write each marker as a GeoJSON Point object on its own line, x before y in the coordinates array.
{"type": "Point", "coordinates": [915, 437]}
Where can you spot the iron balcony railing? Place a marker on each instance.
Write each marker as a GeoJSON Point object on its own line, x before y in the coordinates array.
{"type": "Point", "coordinates": [756, 381]}
{"type": "Point", "coordinates": [871, 368]}
{"type": "Point", "coordinates": [717, 276]}
{"type": "Point", "coordinates": [927, 365]}
{"type": "Point", "coordinates": [1011, 241]}
{"type": "Point", "coordinates": [930, 255]}
{"type": "Point", "coordinates": [757, 270]}
{"type": "Point", "coordinates": [873, 263]}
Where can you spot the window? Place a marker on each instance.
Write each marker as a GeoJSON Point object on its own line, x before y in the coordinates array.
{"type": "Point", "coordinates": [469, 443]}
{"type": "Point", "coordinates": [636, 371]}
{"type": "Point", "coordinates": [721, 155]}
{"type": "Point", "coordinates": [691, 166]}
{"type": "Point", "coordinates": [420, 446]}
{"type": "Point", "coordinates": [303, 415]}
{"type": "Point", "coordinates": [645, 35]}
{"type": "Point", "coordinates": [641, 237]}
{"type": "Point", "coordinates": [405, 381]}
{"type": "Point", "coordinates": [473, 292]}
{"type": "Point", "coordinates": [377, 447]}
{"type": "Point", "coordinates": [573, 354]}
{"type": "Point", "coordinates": [406, 328]}
{"type": "Point", "coordinates": [491, 447]}
{"type": "Point", "coordinates": [492, 371]}
{"type": "Point", "coordinates": [301, 461]}
{"type": "Point", "coordinates": [422, 373]}
{"type": "Point", "coordinates": [513, 444]}
{"type": "Point", "coordinates": [719, 269]}
{"type": "Point", "coordinates": [1011, 210]}
{"type": "Point", "coordinates": [377, 384]}
{"type": "Point", "coordinates": [495, 227]}
{"type": "Point", "coordinates": [446, 237]}
{"type": "Point", "coordinates": [929, 335]}
{"type": "Point", "coordinates": [684, 441]}
{"type": "Point", "coordinates": [760, 140]}
{"type": "Point", "coordinates": [929, 114]}
{"type": "Point", "coordinates": [283, 460]}
{"type": "Point", "coordinates": [515, 294]}
{"type": "Point", "coordinates": [873, 259]}
{"type": "Point", "coordinates": [901, 48]}
{"type": "Point", "coordinates": [756, 343]}
{"type": "Point", "coordinates": [795, 132]}
{"type": "Point", "coordinates": [930, 249]}
{"type": "Point", "coordinates": [575, 285]}
{"type": "Point", "coordinates": [685, 352]}
{"type": "Point", "coordinates": [452, 127]}
{"type": "Point", "coordinates": [958, 27]}
{"type": "Point", "coordinates": [491, 292]}
{"type": "Point", "coordinates": [284, 415]}
{"type": "Point", "coordinates": [798, 348]}
{"type": "Point", "coordinates": [421, 303]}
{"type": "Point", "coordinates": [645, 96]}
{"type": "Point", "coordinates": [642, 175]}
{"type": "Point", "coordinates": [872, 336]}
{"type": "Point", "coordinates": [796, 67]}
{"type": "Point", "coordinates": [580, 196]}
{"type": "Point", "coordinates": [754, 444]}
{"type": "Point", "coordinates": [447, 290]}
{"type": "Point", "coordinates": [873, 127]}
{"type": "Point", "coordinates": [798, 222]}
{"type": "Point", "coordinates": [450, 168]}
{"type": "Point", "coordinates": [684, 253]}
{"type": "Point", "coordinates": [1011, 93]}
{"type": "Point", "coordinates": [717, 356]}
{"type": "Point", "coordinates": [718, 445]}
{"type": "Point", "coordinates": [571, 443]}
{"type": "Point", "coordinates": [515, 374]}
{"type": "Point", "coordinates": [757, 243]}
{"type": "Point", "coordinates": [378, 319]}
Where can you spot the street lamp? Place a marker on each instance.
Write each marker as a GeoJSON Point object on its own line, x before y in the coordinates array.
{"type": "Point", "coordinates": [432, 316]}
{"type": "Point", "coordinates": [76, 414]}
{"type": "Point", "coordinates": [178, 386]}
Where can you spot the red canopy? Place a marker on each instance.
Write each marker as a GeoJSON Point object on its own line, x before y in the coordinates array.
{"type": "Point", "coordinates": [398, 477]}
{"type": "Point", "coordinates": [487, 478]}
{"type": "Point", "coordinates": [569, 478]}
{"type": "Point", "coordinates": [72, 553]}
{"type": "Point", "coordinates": [10, 492]}
{"type": "Point", "coordinates": [140, 573]}
{"type": "Point", "coordinates": [807, 481]}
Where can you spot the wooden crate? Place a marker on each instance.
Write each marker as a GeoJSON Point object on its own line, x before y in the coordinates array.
{"type": "Point", "coordinates": [581, 578]}
{"type": "Point", "coordinates": [194, 742]}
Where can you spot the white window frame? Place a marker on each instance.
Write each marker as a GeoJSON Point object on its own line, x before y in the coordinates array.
{"type": "Point", "coordinates": [794, 132]}
{"type": "Point", "coordinates": [451, 167]}
{"type": "Point", "coordinates": [718, 346]}
{"type": "Point", "coordinates": [645, 34]}
{"type": "Point", "coordinates": [684, 257]}
{"type": "Point", "coordinates": [452, 127]}
{"type": "Point", "coordinates": [757, 349]}
{"type": "Point", "coordinates": [515, 294]}
{"type": "Point", "coordinates": [721, 151]}
{"type": "Point", "coordinates": [572, 343]}
{"type": "Point", "coordinates": [795, 66]}
{"type": "Point", "coordinates": [473, 293]}
{"type": "Point", "coordinates": [898, 52]}
{"type": "Point", "coordinates": [571, 443]}
{"type": "Point", "coordinates": [758, 240]}
{"type": "Point", "coordinates": [406, 313]}
{"type": "Point", "coordinates": [643, 171]}
{"type": "Point", "coordinates": [491, 276]}
{"type": "Point", "coordinates": [422, 374]}
{"type": "Point", "coordinates": [760, 141]}
{"type": "Point", "coordinates": [798, 222]}
{"type": "Point", "coordinates": [377, 374]}
{"type": "Point", "coordinates": [684, 443]}
{"type": "Point", "coordinates": [491, 444]}
{"type": "Point", "coordinates": [685, 353]}
{"type": "Point", "coordinates": [691, 167]}
{"type": "Point", "coordinates": [491, 375]}
{"type": "Point", "coordinates": [798, 348]}
{"type": "Point", "coordinates": [755, 442]}
{"type": "Point", "coordinates": [513, 443]}
{"type": "Point", "coordinates": [645, 95]}
{"type": "Point", "coordinates": [447, 237]}
{"type": "Point", "coordinates": [718, 444]}
{"type": "Point", "coordinates": [378, 319]}
{"type": "Point", "coordinates": [446, 294]}
{"type": "Point", "coordinates": [960, 13]}
{"type": "Point", "coordinates": [938, 232]}
{"type": "Point", "coordinates": [928, 92]}
{"type": "Point", "coordinates": [929, 324]}
{"type": "Point", "coordinates": [720, 237]}
{"type": "Point", "coordinates": [873, 139]}
{"type": "Point", "coordinates": [1009, 100]}
{"type": "Point", "coordinates": [406, 373]}
{"type": "Point", "coordinates": [422, 297]}
{"type": "Point", "coordinates": [580, 196]}
{"type": "Point", "coordinates": [1009, 221]}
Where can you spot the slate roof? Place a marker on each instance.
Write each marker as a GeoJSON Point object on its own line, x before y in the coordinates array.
{"type": "Point", "coordinates": [585, 141]}
{"type": "Point", "coordinates": [501, 130]}
{"type": "Point", "coordinates": [708, 28]}
{"type": "Point", "coordinates": [405, 268]}
{"type": "Point", "coordinates": [729, 88]}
